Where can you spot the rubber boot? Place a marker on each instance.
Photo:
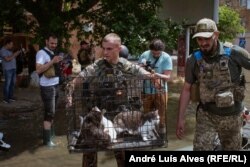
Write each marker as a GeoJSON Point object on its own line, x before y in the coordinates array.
{"type": "Point", "coordinates": [47, 138]}
{"type": "Point", "coordinates": [52, 131]}
{"type": "Point", "coordinates": [3, 145]}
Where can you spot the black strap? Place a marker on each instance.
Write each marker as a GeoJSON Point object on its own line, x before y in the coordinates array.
{"type": "Point", "coordinates": [144, 81]}
{"type": "Point", "coordinates": [156, 59]}
{"type": "Point", "coordinates": [56, 66]}
{"type": "Point", "coordinates": [49, 53]}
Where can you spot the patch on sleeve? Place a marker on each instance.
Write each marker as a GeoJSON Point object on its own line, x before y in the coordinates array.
{"type": "Point", "coordinates": [228, 44]}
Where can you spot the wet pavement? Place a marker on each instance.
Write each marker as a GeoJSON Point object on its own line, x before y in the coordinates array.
{"type": "Point", "coordinates": [21, 122]}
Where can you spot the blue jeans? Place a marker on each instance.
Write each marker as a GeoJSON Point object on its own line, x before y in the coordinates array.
{"type": "Point", "coordinates": [49, 96]}
{"type": "Point", "coordinates": [9, 84]}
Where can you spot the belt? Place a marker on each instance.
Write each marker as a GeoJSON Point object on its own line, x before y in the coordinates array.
{"type": "Point", "coordinates": [222, 111]}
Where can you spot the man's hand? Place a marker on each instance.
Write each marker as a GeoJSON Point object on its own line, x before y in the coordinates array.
{"type": "Point", "coordinates": [180, 129]}
{"type": "Point", "coordinates": [57, 59]}
{"type": "Point", "coordinates": [156, 81]}
{"type": "Point", "coordinates": [70, 88]}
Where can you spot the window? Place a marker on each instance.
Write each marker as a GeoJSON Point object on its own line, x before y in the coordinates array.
{"type": "Point", "coordinates": [243, 3]}
{"type": "Point", "coordinates": [248, 4]}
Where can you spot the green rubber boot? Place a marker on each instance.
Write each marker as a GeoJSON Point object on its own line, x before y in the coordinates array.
{"type": "Point", "coordinates": [52, 131]}
{"type": "Point", "coordinates": [47, 138]}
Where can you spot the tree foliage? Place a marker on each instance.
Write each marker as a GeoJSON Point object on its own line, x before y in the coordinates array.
{"type": "Point", "coordinates": [56, 16]}
{"type": "Point", "coordinates": [136, 21]}
{"type": "Point", "coordinates": [11, 14]}
{"type": "Point", "coordinates": [229, 26]}
{"type": "Point", "coordinates": [229, 23]}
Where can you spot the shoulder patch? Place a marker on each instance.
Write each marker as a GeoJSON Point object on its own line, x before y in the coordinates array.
{"type": "Point", "coordinates": [228, 44]}
{"type": "Point", "coordinates": [227, 51]}
{"type": "Point", "coordinates": [197, 55]}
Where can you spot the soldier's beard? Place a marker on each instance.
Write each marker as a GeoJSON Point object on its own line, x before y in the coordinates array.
{"type": "Point", "coordinates": [207, 52]}
{"type": "Point", "coordinates": [210, 52]}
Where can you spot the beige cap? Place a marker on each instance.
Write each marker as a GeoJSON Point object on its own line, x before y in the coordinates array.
{"type": "Point", "coordinates": [205, 28]}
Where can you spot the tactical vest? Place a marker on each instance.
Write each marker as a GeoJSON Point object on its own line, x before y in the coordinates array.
{"type": "Point", "coordinates": [217, 92]}
{"type": "Point", "coordinates": [57, 68]}
{"type": "Point", "coordinates": [108, 87]}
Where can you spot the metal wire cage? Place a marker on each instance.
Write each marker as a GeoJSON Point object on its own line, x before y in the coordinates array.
{"type": "Point", "coordinates": [108, 114]}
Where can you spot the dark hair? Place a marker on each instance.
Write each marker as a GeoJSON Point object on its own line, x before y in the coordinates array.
{"type": "Point", "coordinates": [52, 35]}
{"type": "Point", "coordinates": [157, 45]}
{"type": "Point", "coordinates": [7, 40]}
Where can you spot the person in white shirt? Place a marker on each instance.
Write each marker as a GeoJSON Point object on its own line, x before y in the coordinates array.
{"type": "Point", "coordinates": [45, 61]}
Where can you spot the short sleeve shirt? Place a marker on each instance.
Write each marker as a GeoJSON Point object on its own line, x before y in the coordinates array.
{"type": "Point", "coordinates": [42, 58]}
{"type": "Point", "coordinates": [163, 63]}
{"type": "Point", "coordinates": [7, 65]}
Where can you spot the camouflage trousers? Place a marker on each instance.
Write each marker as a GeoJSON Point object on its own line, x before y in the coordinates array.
{"type": "Point", "coordinates": [89, 159]}
{"type": "Point", "coordinates": [156, 101]}
{"type": "Point", "coordinates": [208, 125]}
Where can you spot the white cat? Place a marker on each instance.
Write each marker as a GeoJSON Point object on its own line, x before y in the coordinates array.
{"type": "Point", "coordinates": [95, 130]}
{"type": "Point", "coordinates": [148, 129]}
{"type": "Point", "coordinates": [108, 126]}
{"type": "Point", "coordinates": [136, 122]}
{"type": "Point", "coordinates": [109, 129]}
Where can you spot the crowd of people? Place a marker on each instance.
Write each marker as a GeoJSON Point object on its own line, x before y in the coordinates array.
{"type": "Point", "coordinates": [215, 69]}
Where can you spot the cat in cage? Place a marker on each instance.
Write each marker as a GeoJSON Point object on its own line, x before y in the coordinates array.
{"type": "Point", "coordinates": [109, 127]}
{"type": "Point", "coordinates": [137, 122]}
{"type": "Point", "coordinates": [95, 130]}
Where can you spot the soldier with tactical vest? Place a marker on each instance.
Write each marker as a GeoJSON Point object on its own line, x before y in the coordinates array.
{"type": "Point", "coordinates": [217, 70]}
{"type": "Point", "coordinates": [111, 70]}
{"type": "Point", "coordinates": [85, 55]}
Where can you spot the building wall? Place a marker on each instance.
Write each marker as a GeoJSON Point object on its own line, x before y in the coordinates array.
{"type": "Point", "coordinates": [247, 37]}
{"type": "Point", "coordinates": [75, 47]}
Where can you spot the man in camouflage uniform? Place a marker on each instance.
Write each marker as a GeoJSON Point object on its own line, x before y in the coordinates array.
{"type": "Point", "coordinates": [107, 67]}
{"type": "Point", "coordinates": [217, 68]}
{"type": "Point", "coordinates": [85, 55]}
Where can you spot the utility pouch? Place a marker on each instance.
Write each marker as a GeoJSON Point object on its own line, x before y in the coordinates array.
{"type": "Point", "coordinates": [195, 93]}
{"type": "Point", "coordinates": [50, 72]}
{"type": "Point", "coordinates": [239, 93]}
{"type": "Point", "coordinates": [224, 99]}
